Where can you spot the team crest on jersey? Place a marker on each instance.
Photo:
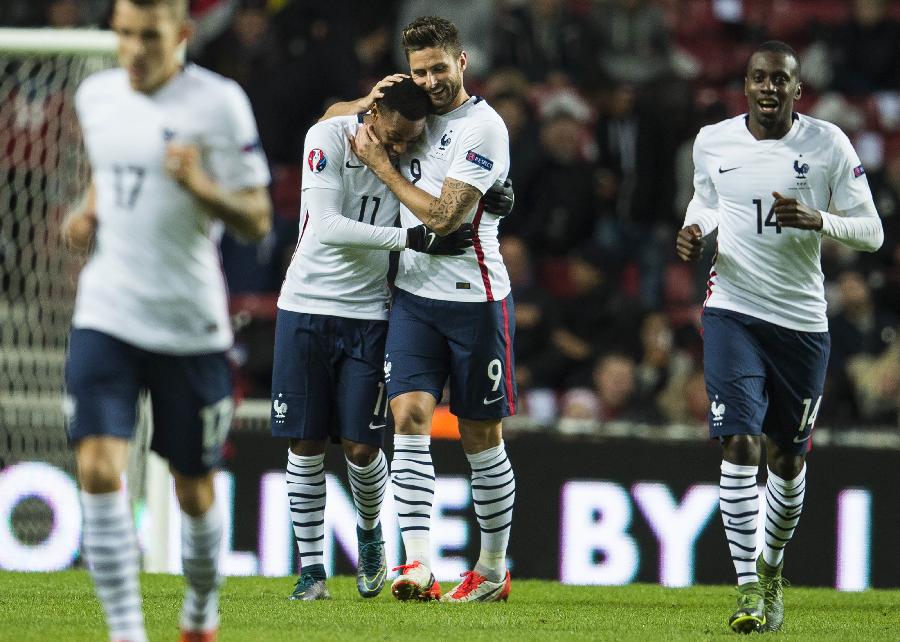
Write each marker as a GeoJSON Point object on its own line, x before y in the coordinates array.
{"type": "Point", "coordinates": [445, 139]}
{"type": "Point", "coordinates": [316, 160]}
{"type": "Point", "coordinates": [801, 169]}
{"type": "Point", "coordinates": [168, 134]}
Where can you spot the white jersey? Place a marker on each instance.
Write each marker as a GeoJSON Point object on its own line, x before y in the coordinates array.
{"type": "Point", "coordinates": [342, 281]}
{"type": "Point", "coordinates": [469, 144]}
{"type": "Point", "coordinates": [761, 269]}
{"type": "Point", "coordinates": [154, 279]}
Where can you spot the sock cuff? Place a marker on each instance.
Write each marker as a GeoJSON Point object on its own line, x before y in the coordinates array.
{"type": "Point", "coordinates": [208, 521]}
{"type": "Point", "coordinates": [412, 440]}
{"type": "Point", "coordinates": [372, 467]}
{"type": "Point", "coordinates": [103, 500]}
{"type": "Point", "coordinates": [485, 456]}
{"type": "Point", "coordinates": [307, 461]}
{"type": "Point", "coordinates": [741, 471]}
{"type": "Point", "coordinates": [788, 484]}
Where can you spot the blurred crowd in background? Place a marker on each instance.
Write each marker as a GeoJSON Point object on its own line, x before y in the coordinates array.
{"type": "Point", "coordinates": [602, 99]}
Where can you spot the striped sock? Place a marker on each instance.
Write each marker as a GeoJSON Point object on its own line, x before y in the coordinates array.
{"type": "Point", "coordinates": [368, 484]}
{"type": "Point", "coordinates": [784, 503]}
{"type": "Point", "coordinates": [201, 541]}
{"type": "Point", "coordinates": [739, 505]}
{"type": "Point", "coordinates": [306, 492]}
{"type": "Point", "coordinates": [111, 551]}
{"type": "Point", "coordinates": [493, 493]}
{"type": "Point", "coordinates": [412, 479]}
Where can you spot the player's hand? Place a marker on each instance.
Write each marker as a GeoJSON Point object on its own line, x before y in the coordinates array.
{"type": "Point", "coordinates": [689, 243]}
{"type": "Point", "coordinates": [422, 239]}
{"type": "Point", "coordinates": [182, 164]}
{"type": "Point", "coordinates": [369, 149]}
{"type": "Point", "coordinates": [78, 231]}
{"type": "Point", "coordinates": [500, 199]}
{"type": "Point", "coordinates": [367, 102]}
{"type": "Point", "coordinates": [789, 212]}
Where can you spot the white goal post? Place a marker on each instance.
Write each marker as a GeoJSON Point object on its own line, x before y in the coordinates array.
{"type": "Point", "coordinates": [73, 42]}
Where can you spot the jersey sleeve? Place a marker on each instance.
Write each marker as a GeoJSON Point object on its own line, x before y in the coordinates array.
{"type": "Point", "coordinates": [849, 185]}
{"type": "Point", "coordinates": [704, 206]}
{"type": "Point", "coordinates": [323, 155]}
{"type": "Point", "coordinates": [481, 156]}
{"type": "Point", "coordinates": [235, 156]}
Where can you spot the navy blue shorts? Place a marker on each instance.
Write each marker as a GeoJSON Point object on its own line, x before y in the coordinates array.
{"type": "Point", "coordinates": [328, 378]}
{"type": "Point", "coordinates": [763, 378]}
{"type": "Point", "coordinates": [471, 343]}
{"type": "Point", "coordinates": [190, 397]}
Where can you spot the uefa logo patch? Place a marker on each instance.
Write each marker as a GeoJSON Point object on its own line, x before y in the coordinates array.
{"type": "Point", "coordinates": [316, 160]}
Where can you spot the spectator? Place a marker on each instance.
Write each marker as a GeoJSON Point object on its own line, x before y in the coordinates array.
{"type": "Point", "coordinates": [524, 148]}
{"type": "Point", "coordinates": [615, 383]}
{"type": "Point", "coordinates": [556, 208]}
{"type": "Point", "coordinates": [634, 43]}
{"type": "Point", "coordinates": [541, 37]}
{"type": "Point", "coordinates": [865, 51]}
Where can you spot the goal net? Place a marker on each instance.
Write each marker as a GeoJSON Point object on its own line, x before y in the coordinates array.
{"type": "Point", "coordinates": [43, 171]}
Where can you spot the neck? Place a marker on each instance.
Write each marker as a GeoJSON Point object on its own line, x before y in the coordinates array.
{"type": "Point", "coordinates": [774, 132]}
{"type": "Point", "coordinates": [461, 97]}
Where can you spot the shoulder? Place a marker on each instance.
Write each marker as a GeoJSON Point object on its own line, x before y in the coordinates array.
{"type": "Point", "coordinates": [823, 130]}
{"type": "Point", "coordinates": [335, 128]}
{"type": "Point", "coordinates": [199, 82]}
{"type": "Point", "coordinates": [483, 119]}
{"type": "Point", "coordinates": [103, 82]}
{"type": "Point", "coordinates": [711, 133]}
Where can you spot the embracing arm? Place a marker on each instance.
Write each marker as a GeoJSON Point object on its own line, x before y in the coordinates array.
{"type": "Point", "coordinates": [444, 214]}
{"type": "Point", "coordinates": [364, 104]}
{"type": "Point", "coordinates": [333, 228]}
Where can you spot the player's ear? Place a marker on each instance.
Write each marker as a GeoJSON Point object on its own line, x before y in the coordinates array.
{"type": "Point", "coordinates": [463, 60]}
{"type": "Point", "coordinates": [799, 91]}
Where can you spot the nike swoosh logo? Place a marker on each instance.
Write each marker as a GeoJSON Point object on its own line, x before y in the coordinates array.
{"type": "Point", "coordinates": [488, 402]}
{"type": "Point", "coordinates": [372, 426]}
{"type": "Point", "coordinates": [730, 169]}
{"type": "Point", "coordinates": [731, 522]}
{"type": "Point", "coordinates": [349, 166]}
{"type": "Point", "coordinates": [797, 439]}
{"type": "Point", "coordinates": [429, 239]}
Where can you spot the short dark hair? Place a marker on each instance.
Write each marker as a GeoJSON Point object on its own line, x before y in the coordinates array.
{"type": "Point", "coordinates": [406, 98]}
{"type": "Point", "coordinates": [431, 31]}
{"type": "Point", "coordinates": [179, 8]}
{"type": "Point", "coordinates": [778, 47]}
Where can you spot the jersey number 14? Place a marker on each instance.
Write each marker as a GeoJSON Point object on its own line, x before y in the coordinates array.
{"type": "Point", "coordinates": [770, 221]}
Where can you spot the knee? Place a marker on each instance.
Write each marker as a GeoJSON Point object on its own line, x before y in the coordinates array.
{"type": "Point", "coordinates": [99, 474]}
{"type": "Point", "coordinates": [742, 450]}
{"type": "Point", "coordinates": [195, 494]}
{"type": "Point", "coordinates": [478, 436]}
{"type": "Point", "coordinates": [360, 454]}
{"type": "Point", "coordinates": [786, 466]}
{"type": "Point", "coordinates": [412, 418]}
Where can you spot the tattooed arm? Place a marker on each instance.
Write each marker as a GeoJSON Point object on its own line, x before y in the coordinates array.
{"type": "Point", "coordinates": [442, 215]}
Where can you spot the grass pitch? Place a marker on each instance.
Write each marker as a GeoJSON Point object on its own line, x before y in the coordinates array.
{"type": "Point", "coordinates": [61, 606]}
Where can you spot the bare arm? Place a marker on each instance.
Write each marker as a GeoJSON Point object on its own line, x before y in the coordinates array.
{"type": "Point", "coordinates": [443, 215]}
{"type": "Point", "coordinates": [246, 211]}
{"type": "Point", "coordinates": [364, 104]}
{"type": "Point", "coordinates": [80, 223]}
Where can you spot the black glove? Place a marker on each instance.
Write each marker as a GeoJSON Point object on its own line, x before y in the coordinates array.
{"type": "Point", "coordinates": [499, 200]}
{"type": "Point", "coordinates": [421, 239]}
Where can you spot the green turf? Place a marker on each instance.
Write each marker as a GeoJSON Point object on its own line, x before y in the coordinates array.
{"type": "Point", "coordinates": [61, 606]}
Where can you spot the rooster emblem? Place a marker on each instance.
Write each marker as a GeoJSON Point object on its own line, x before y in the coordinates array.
{"type": "Point", "coordinates": [802, 170]}
{"type": "Point", "coordinates": [280, 408]}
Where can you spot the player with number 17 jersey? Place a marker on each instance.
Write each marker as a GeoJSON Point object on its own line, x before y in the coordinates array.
{"type": "Point", "coordinates": [469, 144]}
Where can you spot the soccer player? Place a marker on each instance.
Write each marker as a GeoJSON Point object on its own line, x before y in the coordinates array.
{"type": "Point", "coordinates": [328, 374]}
{"type": "Point", "coordinates": [773, 182]}
{"type": "Point", "coordinates": [452, 317]}
{"type": "Point", "coordinates": [174, 153]}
